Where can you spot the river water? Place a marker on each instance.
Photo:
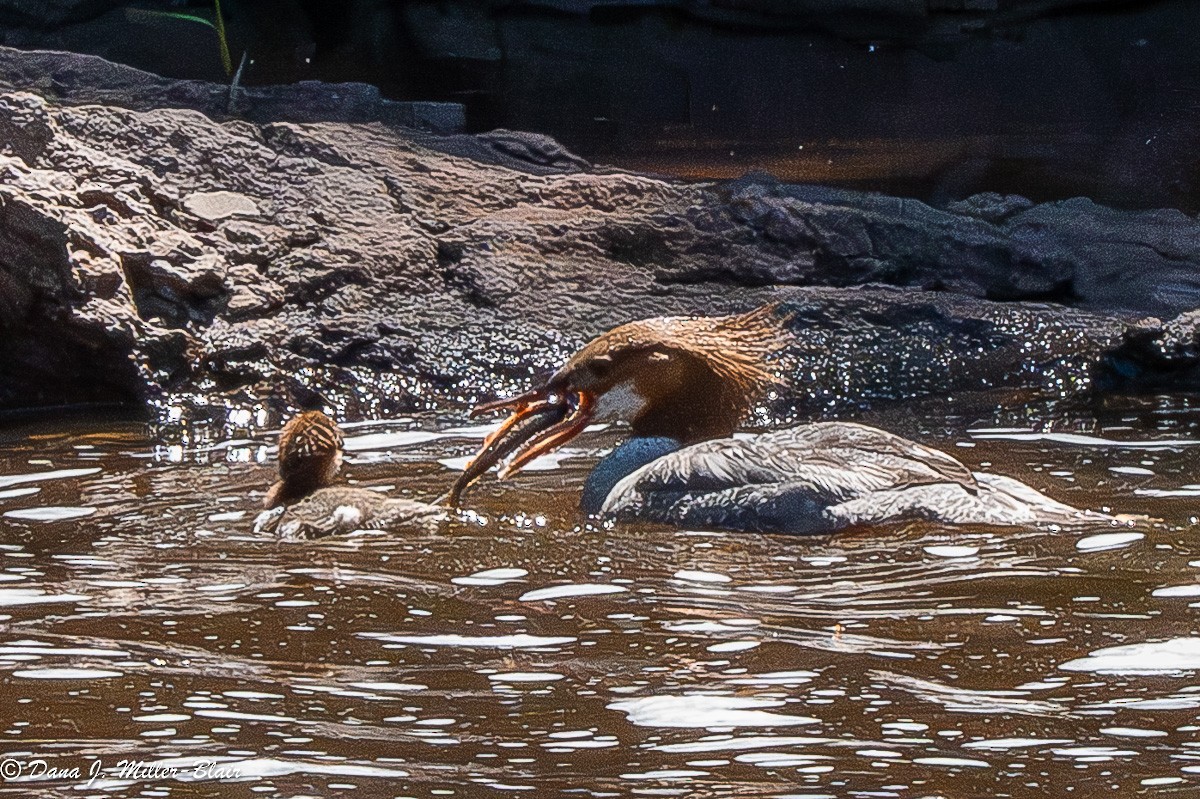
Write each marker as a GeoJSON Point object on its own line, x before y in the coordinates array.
{"type": "Point", "coordinates": [153, 644]}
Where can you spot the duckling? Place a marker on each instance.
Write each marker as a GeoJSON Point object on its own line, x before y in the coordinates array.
{"type": "Point", "coordinates": [304, 503]}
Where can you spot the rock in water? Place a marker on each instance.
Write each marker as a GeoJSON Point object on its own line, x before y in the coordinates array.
{"type": "Point", "coordinates": [162, 256]}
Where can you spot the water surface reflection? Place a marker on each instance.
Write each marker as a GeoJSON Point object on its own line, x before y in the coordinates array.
{"type": "Point", "coordinates": [520, 648]}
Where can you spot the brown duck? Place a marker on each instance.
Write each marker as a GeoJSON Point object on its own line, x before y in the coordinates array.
{"type": "Point", "coordinates": [305, 503]}
{"type": "Point", "coordinates": [684, 384]}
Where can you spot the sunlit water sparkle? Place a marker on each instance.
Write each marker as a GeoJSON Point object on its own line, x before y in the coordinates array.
{"type": "Point", "coordinates": [521, 648]}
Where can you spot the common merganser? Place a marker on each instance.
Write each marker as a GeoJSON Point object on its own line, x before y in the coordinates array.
{"type": "Point", "coordinates": [684, 384]}
{"type": "Point", "coordinates": [303, 503]}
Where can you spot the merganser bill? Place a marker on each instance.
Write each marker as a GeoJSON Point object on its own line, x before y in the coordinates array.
{"type": "Point", "coordinates": [304, 503]}
{"type": "Point", "coordinates": [684, 384]}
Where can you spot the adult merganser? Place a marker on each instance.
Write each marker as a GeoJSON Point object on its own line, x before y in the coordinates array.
{"type": "Point", "coordinates": [303, 503]}
{"type": "Point", "coordinates": [684, 384]}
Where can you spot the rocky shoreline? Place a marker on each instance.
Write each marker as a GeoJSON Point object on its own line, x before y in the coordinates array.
{"type": "Point", "coordinates": [163, 258]}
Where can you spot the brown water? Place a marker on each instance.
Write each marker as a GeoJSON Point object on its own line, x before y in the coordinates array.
{"type": "Point", "coordinates": [522, 650]}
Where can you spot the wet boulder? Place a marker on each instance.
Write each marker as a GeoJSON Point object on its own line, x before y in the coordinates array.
{"type": "Point", "coordinates": [161, 257]}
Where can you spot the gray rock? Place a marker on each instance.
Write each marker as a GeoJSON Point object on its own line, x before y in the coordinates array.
{"type": "Point", "coordinates": [385, 270]}
{"type": "Point", "coordinates": [214, 205]}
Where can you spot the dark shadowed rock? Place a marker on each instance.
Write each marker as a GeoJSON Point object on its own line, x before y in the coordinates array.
{"type": "Point", "coordinates": [162, 256]}
{"type": "Point", "coordinates": [1002, 248]}
{"type": "Point", "coordinates": [1045, 98]}
{"type": "Point", "coordinates": [77, 79]}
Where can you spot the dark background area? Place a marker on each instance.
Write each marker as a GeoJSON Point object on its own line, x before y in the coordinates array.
{"type": "Point", "coordinates": [935, 99]}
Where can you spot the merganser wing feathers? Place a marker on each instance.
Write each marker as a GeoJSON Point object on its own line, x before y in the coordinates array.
{"type": "Point", "coordinates": [791, 507]}
{"type": "Point", "coordinates": [838, 460]}
{"type": "Point", "coordinates": [818, 478]}
{"type": "Point", "coordinates": [886, 455]}
{"type": "Point", "coordinates": [999, 501]}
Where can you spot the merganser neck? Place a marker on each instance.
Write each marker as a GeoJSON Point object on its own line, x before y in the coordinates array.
{"type": "Point", "coordinates": [627, 458]}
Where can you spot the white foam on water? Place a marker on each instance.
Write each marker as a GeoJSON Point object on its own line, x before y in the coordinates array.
{"type": "Point", "coordinates": [491, 577]}
{"type": "Point", "coordinates": [396, 440]}
{"type": "Point", "coordinates": [1015, 743]}
{"type": "Point", "coordinates": [776, 678]}
{"type": "Point", "coordinates": [695, 576]}
{"type": "Point", "coordinates": [483, 430]}
{"type": "Point", "coordinates": [49, 513]}
{"type": "Point", "coordinates": [401, 421]}
{"type": "Point", "coordinates": [304, 688]}
{"type": "Point", "coordinates": [733, 646]}
{"type": "Point", "coordinates": [519, 641]}
{"type": "Point", "coordinates": [474, 430]}
{"type": "Point", "coordinates": [19, 492]}
{"type": "Point", "coordinates": [1102, 541]}
{"type": "Point", "coordinates": [15, 652]}
{"type": "Point", "coordinates": [390, 687]}
{"type": "Point", "coordinates": [575, 746]}
{"type": "Point", "coordinates": [948, 551]}
{"type": "Point", "coordinates": [823, 560]}
{"type": "Point", "coordinates": [501, 574]}
{"type": "Point", "coordinates": [1132, 732]}
{"type": "Point", "coordinates": [526, 676]}
{"type": "Point", "coordinates": [10, 597]}
{"type": "Point", "coordinates": [1090, 752]}
{"type": "Point", "coordinates": [951, 762]}
{"type": "Point", "coordinates": [728, 625]}
{"type": "Point", "coordinates": [67, 674]}
{"type": "Point", "coordinates": [664, 774]}
{"type": "Point", "coordinates": [571, 590]}
{"type": "Point", "coordinates": [549, 462]}
{"type": "Point", "coordinates": [878, 753]}
{"type": "Point", "coordinates": [221, 588]}
{"type": "Point", "coordinates": [236, 716]}
{"type": "Point", "coordinates": [706, 711]}
{"type": "Point", "coordinates": [1081, 440]}
{"type": "Point", "coordinates": [1189, 590]}
{"type": "Point", "coordinates": [250, 695]}
{"type": "Point", "coordinates": [1159, 657]}
{"type": "Point", "coordinates": [741, 743]}
{"type": "Point", "coordinates": [781, 760]}
{"type": "Point", "coordinates": [1167, 493]}
{"type": "Point", "coordinates": [36, 477]}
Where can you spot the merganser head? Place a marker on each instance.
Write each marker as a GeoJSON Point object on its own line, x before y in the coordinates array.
{"type": "Point", "coordinates": [687, 378]}
{"type": "Point", "coordinates": [310, 456]}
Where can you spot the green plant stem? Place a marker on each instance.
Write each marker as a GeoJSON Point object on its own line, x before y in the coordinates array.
{"type": "Point", "coordinates": [226, 60]}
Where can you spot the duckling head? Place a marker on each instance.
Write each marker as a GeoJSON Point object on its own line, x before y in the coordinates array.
{"type": "Point", "coordinates": [310, 456]}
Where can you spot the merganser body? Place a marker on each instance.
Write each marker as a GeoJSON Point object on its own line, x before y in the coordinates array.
{"type": "Point", "coordinates": [684, 384]}
{"type": "Point", "coordinates": [303, 503]}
